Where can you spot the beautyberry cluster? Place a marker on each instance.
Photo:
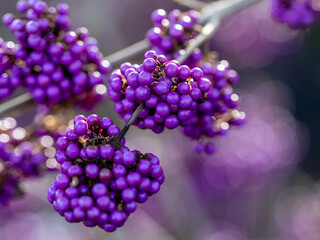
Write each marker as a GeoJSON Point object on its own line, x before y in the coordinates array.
{"type": "Point", "coordinates": [10, 71]}
{"type": "Point", "coordinates": [58, 63]}
{"type": "Point", "coordinates": [218, 111]}
{"type": "Point", "coordinates": [170, 92]}
{"type": "Point", "coordinates": [101, 180]}
{"type": "Point", "coordinates": [296, 13]}
{"type": "Point", "coordinates": [172, 32]}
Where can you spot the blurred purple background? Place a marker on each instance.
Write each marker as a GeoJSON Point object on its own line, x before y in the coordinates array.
{"type": "Point", "coordinates": [261, 183]}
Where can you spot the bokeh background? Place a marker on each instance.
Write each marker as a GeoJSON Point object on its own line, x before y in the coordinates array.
{"type": "Point", "coordinates": [263, 181]}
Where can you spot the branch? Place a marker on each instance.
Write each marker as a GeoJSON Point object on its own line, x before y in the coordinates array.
{"type": "Point", "coordinates": [16, 103]}
{"type": "Point", "coordinates": [212, 15]}
{"type": "Point", "coordinates": [128, 52]}
{"type": "Point", "coordinates": [192, 4]}
{"type": "Point", "coordinates": [224, 8]}
{"type": "Point", "coordinates": [207, 31]}
{"type": "Point", "coordinates": [126, 127]}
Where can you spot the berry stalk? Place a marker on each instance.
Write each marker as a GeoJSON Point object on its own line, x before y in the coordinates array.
{"type": "Point", "coordinates": [207, 31]}
{"type": "Point", "coordinates": [223, 9]}
{"type": "Point", "coordinates": [192, 4]}
{"type": "Point", "coordinates": [126, 127]}
{"type": "Point", "coordinates": [128, 52]}
{"type": "Point", "coordinates": [24, 100]}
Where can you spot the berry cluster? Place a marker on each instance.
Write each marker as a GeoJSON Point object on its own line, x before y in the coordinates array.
{"type": "Point", "coordinates": [170, 92]}
{"type": "Point", "coordinates": [296, 13]}
{"type": "Point", "coordinates": [172, 32]}
{"type": "Point", "coordinates": [217, 112]}
{"type": "Point", "coordinates": [101, 180]}
{"type": "Point", "coordinates": [10, 72]}
{"type": "Point", "coordinates": [58, 63]}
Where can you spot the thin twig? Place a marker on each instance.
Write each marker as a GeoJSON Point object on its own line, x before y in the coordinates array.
{"type": "Point", "coordinates": [224, 8]}
{"type": "Point", "coordinates": [128, 53]}
{"type": "Point", "coordinates": [207, 31]}
{"type": "Point", "coordinates": [16, 103]}
{"type": "Point", "coordinates": [126, 127]}
{"type": "Point", "coordinates": [192, 4]}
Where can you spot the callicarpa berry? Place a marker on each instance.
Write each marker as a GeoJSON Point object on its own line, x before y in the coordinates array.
{"type": "Point", "coordinates": [170, 92]}
{"type": "Point", "coordinates": [172, 32]}
{"type": "Point", "coordinates": [214, 116]}
{"type": "Point", "coordinates": [60, 64]}
{"type": "Point", "coordinates": [101, 180]}
{"type": "Point", "coordinates": [295, 13]}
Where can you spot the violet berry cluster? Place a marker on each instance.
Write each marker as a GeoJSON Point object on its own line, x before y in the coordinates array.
{"type": "Point", "coordinates": [217, 111]}
{"type": "Point", "coordinates": [214, 116]}
{"type": "Point", "coordinates": [172, 32]}
{"type": "Point", "coordinates": [101, 180]}
{"type": "Point", "coordinates": [295, 13]}
{"type": "Point", "coordinates": [58, 63]}
{"type": "Point", "coordinates": [10, 71]}
{"type": "Point", "coordinates": [169, 91]}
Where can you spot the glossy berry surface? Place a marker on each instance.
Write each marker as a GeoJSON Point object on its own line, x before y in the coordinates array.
{"type": "Point", "coordinates": [101, 180]}
{"type": "Point", "coordinates": [170, 92]}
